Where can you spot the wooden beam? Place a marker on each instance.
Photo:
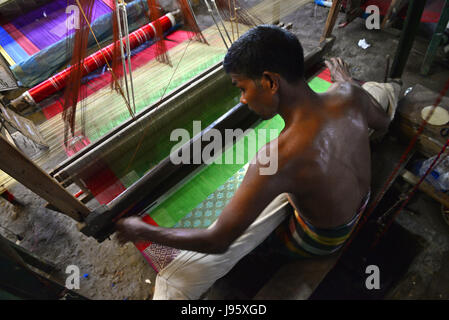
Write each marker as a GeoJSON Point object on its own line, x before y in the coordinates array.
{"type": "Point", "coordinates": [30, 258]}
{"type": "Point", "coordinates": [17, 165]}
{"type": "Point", "coordinates": [412, 21]}
{"type": "Point", "coordinates": [427, 188]}
{"type": "Point", "coordinates": [297, 280]}
{"type": "Point", "coordinates": [331, 19]}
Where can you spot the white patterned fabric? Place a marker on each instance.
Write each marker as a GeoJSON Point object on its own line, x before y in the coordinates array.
{"type": "Point", "coordinates": [191, 274]}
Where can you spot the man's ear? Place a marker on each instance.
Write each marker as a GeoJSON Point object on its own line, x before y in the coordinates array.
{"type": "Point", "coordinates": [271, 80]}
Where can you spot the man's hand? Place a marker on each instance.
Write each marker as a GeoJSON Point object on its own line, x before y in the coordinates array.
{"type": "Point", "coordinates": [339, 70]}
{"type": "Point", "coordinates": [130, 229]}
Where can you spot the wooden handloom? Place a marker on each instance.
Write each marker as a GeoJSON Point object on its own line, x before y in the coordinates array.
{"type": "Point", "coordinates": [164, 176]}
{"type": "Point", "coordinates": [51, 129]}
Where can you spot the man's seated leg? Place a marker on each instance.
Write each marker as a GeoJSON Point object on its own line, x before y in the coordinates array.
{"type": "Point", "coordinates": [192, 273]}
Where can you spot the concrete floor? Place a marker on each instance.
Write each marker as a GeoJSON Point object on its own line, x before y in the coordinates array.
{"type": "Point", "coordinates": [116, 272]}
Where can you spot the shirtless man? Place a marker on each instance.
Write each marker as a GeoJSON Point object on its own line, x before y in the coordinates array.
{"type": "Point", "coordinates": [323, 178]}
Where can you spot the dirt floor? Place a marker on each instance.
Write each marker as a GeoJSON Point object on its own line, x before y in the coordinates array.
{"type": "Point", "coordinates": [114, 272]}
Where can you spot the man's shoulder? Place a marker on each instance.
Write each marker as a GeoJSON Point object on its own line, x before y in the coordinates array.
{"type": "Point", "coordinates": [346, 95]}
{"type": "Point", "coordinates": [345, 89]}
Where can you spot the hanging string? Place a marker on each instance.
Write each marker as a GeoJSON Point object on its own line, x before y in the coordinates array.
{"type": "Point", "coordinates": [117, 67]}
{"type": "Point", "coordinates": [221, 21]}
{"type": "Point", "coordinates": [109, 67]}
{"type": "Point", "coordinates": [72, 91]}
{"type": "Point", "coordinates": [161, 48]}
{"type": "Point", "coordinates": [128, 50]}
{"type": "Point", "coordinates": [125, 50]}
{"type": "Point", "coordinates": [190, 21]}
{"type": "Point", "coordinates": [237, 12]}
{"type": "Point", "coordinates": [144, 133]}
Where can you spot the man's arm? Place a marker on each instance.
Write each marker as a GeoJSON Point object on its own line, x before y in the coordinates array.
{"type": "Point", "coordinates": [255, 193]}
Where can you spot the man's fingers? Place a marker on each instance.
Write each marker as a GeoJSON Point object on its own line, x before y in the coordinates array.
{"type": "Point", "coordinates": [331, 67]}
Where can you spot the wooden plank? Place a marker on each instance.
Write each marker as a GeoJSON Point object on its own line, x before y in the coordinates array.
{"type": "Point", "coordinates": [23, 125]}
{"type": "Point", "coordinates": [18, 166]}
{"type": "Point", "coordinates": [427, 188]}
{"type": "Point", "coordinates": [297, 280]}
{"type": "Point", "coordinates": [7, 81]}
{"type": "Point", "coordinates": [5, 133]}
{"type": "Point", "coordinates": [408, 120]}
{"type": "Point", "coordinates": [331, 19]}
{"type": "Point", "coordinates": [30, 258]}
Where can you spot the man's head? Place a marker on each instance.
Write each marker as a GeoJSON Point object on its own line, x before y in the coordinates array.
{"type": "Point", "coordinates": [259, 61]}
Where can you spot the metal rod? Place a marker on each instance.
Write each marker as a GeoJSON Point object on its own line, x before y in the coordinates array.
{"type": "Point", "coordinates": [216, 24]}
{"type": "Point", "coordinates": [221, 20]}
{"type": "Point", "coordinates": [128, 53]}
{"type": "Point", "coordinates": [118, 8]}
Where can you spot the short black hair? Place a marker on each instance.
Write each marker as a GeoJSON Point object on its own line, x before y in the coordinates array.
{"type": "Point", "coordinates": [266, 48]}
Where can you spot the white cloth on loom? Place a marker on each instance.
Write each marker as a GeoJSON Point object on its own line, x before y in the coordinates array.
{"type": "Point", "coordinates": [191, 274]}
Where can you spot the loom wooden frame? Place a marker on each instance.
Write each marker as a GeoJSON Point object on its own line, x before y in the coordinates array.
{"type": "Point", "coordinates": [52, 187]}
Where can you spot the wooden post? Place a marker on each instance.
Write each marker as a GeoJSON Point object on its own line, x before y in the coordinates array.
{"type": "Point", "coordinates": [17, 165]}
{"type": "Point", "coordinates": [331, 19]}
{"type": "Point", "coordinates": [414, 12]}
